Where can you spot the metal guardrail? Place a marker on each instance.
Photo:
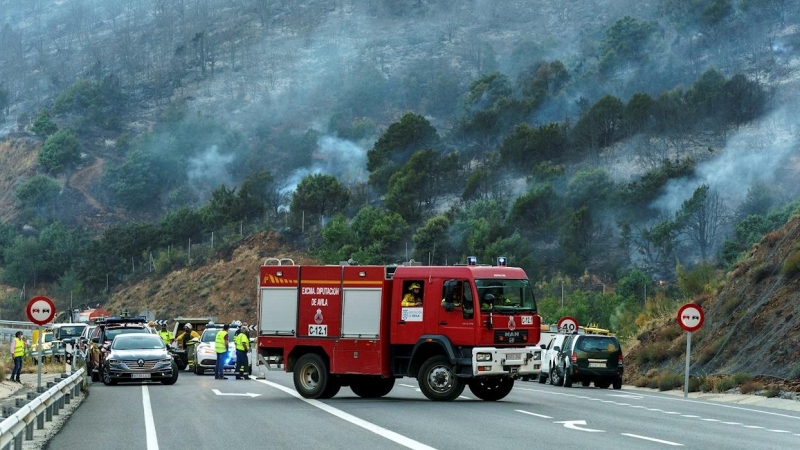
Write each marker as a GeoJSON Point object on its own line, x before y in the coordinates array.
{"type": "Point", "coordinates": [41, 408]}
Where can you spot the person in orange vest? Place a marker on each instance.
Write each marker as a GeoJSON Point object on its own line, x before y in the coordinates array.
{"type": "Point", "coordinates": [17, 352]}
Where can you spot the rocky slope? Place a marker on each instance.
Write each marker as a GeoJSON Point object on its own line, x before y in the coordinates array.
{"type": "Point", "coordinates": [752, 322]}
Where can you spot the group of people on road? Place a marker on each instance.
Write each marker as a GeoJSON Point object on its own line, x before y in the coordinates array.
{"type": "Point", "coordinates": [241, 340]}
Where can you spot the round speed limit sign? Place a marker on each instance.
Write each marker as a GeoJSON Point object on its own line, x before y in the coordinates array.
{"type": "Point", "coordinates": [568, 324]}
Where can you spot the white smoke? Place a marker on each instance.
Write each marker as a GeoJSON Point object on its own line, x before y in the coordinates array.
{"type": "Point", "coordinates": [752, 154]}
{"type": "Point", "coordinates": [207, 171]}
{"type": "Point", "coordinates": [341, 158]}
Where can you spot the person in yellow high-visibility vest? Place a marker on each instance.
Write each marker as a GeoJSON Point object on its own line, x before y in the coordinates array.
{"type": "Point", "coordinates": [17, 352]}
{"type": "Point", "coordinates": [221, 347]}
{"type": "Point", "coordinates": [242, 347]}
{"type": "Point", "coordinates": [166, 335]}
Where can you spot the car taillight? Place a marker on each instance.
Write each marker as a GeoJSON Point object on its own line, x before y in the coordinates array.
{"type": "Point", "coordinates": [574, 358]}
{"type": "Point", "coordinates": [620, 359]}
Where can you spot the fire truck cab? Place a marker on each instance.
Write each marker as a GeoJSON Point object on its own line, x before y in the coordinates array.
{"type": "Point", "coordinates": [345, 325]}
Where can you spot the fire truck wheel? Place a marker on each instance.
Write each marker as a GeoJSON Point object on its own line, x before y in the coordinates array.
{"type": "Point", "coordinates": [438, 381]}
{"type": "Point", "coordinates": [331, 389]}
{"type": "Point", "coordinates": [311, 376]}
{"type": "Point", "coordinates": [491, 389]}
{"type": "Point", "coordinates": [371, 387]}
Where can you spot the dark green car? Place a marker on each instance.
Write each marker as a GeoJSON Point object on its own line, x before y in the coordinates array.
{"type": "Point", "coordinates": [589, 358]}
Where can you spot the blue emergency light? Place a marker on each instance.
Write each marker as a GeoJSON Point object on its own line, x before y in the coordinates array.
{"type": "Point", "coordinates": [502, 261]}
{"type": "Point", "coordinates": [472, 260]}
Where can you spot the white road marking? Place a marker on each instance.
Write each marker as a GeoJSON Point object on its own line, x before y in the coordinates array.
{"type": "Point", "coordinates": [407, 385]}
{"type": "Point", "coordinates": [248, 394]}
{"type": "Point", "coordinates": [710, 420]}
{"type": "Point", "coordinates": [754, 427]}
{"type": "Point", "coordinates": [149, 423]}
{"type": "Point", "coordinates": [573, 425]}
{"type": "Point", "coordinates": [371, 427]}
{"type": "Point", "coordinates": [533, 414]}
{"type": "Point", "coordinates": [660, 441]}
{"type": "Point", "coordinates": [779, 431]}
{"type": "Point", "coordinates": [730, 423]}
{"type": "Point", "coordinates": [690, 416]}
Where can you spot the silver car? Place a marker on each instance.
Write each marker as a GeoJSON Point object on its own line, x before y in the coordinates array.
{"type": "Point", "coordinates": [205, 355]}
{"type": "Point", "coordinates": [139, 357]}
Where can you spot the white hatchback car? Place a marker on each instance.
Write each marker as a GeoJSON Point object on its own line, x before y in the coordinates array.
{"type": "Point", "coordinates": [549, 356]}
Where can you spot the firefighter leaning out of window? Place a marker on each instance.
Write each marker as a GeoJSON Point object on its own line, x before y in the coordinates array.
{"type": "Point", "coordinates": [413, 297]}
{"type": "Point", "coordinates": [187, 335]}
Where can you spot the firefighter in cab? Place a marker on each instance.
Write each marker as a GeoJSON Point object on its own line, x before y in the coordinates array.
{"type": "Point", "coordinates": [413, 297]}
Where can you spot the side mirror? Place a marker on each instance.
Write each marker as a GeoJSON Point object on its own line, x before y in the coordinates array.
{"type": "Point", "coordinates": [556, 348]}
{"type": "Point", "coordinates": [543, 346]}
{"type": "Point", "coordinates": [96, 340]}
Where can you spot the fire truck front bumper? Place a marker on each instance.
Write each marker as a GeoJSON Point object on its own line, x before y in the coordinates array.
{"type": "Point", "coordinates": [515, 362]}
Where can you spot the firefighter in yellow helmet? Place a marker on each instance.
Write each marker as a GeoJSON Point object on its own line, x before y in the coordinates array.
{"type": "Point", "coordinates": [413, 297]}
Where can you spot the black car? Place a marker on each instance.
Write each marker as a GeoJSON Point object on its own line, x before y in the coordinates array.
{"type": "Point", "coordinates": [139, 357]}
{"type": "Point", "coordinates": [588, 359]}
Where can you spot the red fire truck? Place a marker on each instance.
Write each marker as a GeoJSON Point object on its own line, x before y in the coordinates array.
{"type": "Point", "coordinates": [345, 325]}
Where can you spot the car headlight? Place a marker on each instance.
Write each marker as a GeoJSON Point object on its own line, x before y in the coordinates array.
{"type": "Point", "coordinates": [483, 357]}
{"type": "Point", "coordinates": [112, 361]}
{"type": "Point", "coordinates": [205, 351]}
{"type": "Point", "coordinates": [166, 360]}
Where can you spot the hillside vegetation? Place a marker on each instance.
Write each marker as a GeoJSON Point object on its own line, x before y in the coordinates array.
{"type": "Point", "coordinates": [627, 155]}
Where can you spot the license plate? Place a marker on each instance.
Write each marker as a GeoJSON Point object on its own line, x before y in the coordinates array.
{"type": "Point", "coordinates": [514, 356]}
{"type": "Point", "coordinates": [600, 365]}
{"type": "Point", "coordinates": [140, 375]}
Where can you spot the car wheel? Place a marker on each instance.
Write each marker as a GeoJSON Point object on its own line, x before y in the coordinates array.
{"type": "Point", "coordinates": [567, 378]}
{"type": "Point", "coordinates": [491, 389]}
{"type": "Point", "coordinates": [107, 380]}
{"type": "Point", "coordinates": [174, 379]}
{"type": "Point", "coordinates": [438, 381]}
{"type": "Point", "coordinates": [585, 383]}
{"type": "Point", "coordinates": [602, 384]}
{"type": "Point", "coordinates": [555, 377]}
{"type": "Point", "coordinates": [542, 378]}
{"type": "Point", "coordinates": [199, 370]}
{"type": "Point", "coordinates": [311, 376]}
{"type": "Point", "coordinates": [618, 384]}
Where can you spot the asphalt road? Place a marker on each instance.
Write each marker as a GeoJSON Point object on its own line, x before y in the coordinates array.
{"type": "Point", "coordinates": [201, 412]}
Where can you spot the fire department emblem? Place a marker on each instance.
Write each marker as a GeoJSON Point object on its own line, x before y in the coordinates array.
{"type": "Point", "coordinates": [511, 324]}
{"type": "Point", "coordinates": [318, 317]}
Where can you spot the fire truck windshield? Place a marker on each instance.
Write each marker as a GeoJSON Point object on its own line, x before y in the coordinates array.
{"type": "Point", "coordinates": [505, 296]}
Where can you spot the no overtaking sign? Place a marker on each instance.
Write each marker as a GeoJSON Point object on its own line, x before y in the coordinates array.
{"type": "Point", "coordinates": [40, 310]}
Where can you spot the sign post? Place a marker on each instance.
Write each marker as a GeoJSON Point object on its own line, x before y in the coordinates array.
{"type": "Point", "coordinates": [40, 310]}
{"type": "Point", "coordinates": [690, 318]}
{"type": "Point", "coordinates": [568, 324]}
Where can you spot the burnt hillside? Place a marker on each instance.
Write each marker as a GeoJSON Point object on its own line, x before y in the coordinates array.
{"type": "Point", "coordinates": [225, 287]}
{"type": "Point", "coordinates": [752, 321]}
